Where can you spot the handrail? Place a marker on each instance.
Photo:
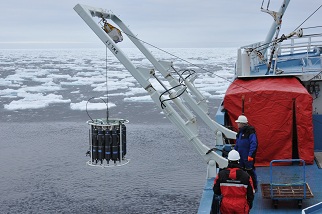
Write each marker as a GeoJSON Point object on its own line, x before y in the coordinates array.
{"type": "Point", "coordinates": [299, 183]}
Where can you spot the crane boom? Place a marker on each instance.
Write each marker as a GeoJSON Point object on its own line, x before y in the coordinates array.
{"type": "Point", "coordinates": [180, 93]}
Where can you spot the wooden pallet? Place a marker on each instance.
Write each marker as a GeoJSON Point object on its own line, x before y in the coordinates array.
{"type": "Point", "coordinates": [286, 192]}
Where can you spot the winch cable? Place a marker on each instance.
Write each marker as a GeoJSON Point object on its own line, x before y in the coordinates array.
{"type": "Point", "coordinates": [107, 109]}
{"type": "Point", "coordinates": [269, 44]}
{"type": "Point", "coordinates": [190, 63]}
{"type": "Point", "coordinates": [308, 35]}
{"type": "Point", "coordinates": [311, 27]}
{"type": "Point", "coordinates": [312, 34]}
{"type": "Point", "coordinates": [308, 18]}
{"type": "Point", "coordinates": [106, 102]}
{"type": "Point", "coordinates": [171, 54]}
{"type": "Point", "coordinates": [207, 71]}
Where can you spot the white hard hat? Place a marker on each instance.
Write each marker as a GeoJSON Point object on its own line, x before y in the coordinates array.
{"type": "Point", "coordinates": [233, 155]}
{"type": "Point", "coordinates": [242, 119]}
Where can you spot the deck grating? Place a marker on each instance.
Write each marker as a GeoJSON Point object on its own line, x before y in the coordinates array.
{"type": "Point", "coordinates": [286, 192]}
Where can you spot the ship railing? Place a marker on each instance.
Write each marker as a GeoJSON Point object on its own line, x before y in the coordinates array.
{"type": "Point", "coordinates": [290, 46]}
{"type": "Point", "coordinates": [300, 45]}
{"type": "Point", "coordinates": [250, 61]}
{"type": "Point", "coordinates": [295, 55]}
{"type": "Point", "coordinates": [303, 53]}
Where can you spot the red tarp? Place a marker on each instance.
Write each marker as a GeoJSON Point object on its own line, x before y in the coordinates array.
{"type": "Point", "coordinates": [268, 105]}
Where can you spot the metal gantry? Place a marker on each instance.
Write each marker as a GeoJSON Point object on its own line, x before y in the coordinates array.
{"type": "Point", "coordinates": [174, 103]}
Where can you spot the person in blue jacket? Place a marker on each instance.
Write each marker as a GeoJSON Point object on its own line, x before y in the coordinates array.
{"type": "Point", "coordinates": [246, 145]}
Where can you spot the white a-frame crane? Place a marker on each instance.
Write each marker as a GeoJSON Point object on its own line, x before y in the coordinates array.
{"type": "Point", "coordinates": [182, 91]}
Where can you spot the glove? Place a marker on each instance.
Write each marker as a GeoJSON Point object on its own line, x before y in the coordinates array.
{"type": "Point", "coordinates": [250, 158]}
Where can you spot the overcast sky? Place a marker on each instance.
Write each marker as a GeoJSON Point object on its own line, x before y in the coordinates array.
{"type": "Point", "coordinates": [163, 23]}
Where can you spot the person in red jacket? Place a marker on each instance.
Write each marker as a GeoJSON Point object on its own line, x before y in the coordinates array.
{"type": "Point", "coordinates": [235, 187]}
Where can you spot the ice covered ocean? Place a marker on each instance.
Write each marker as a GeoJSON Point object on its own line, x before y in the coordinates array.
{"type": "Point", "coordinates": [44, 136]}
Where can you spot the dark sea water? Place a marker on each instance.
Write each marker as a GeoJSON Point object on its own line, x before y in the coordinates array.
{"type": "Point", "coordinates": [43, 168]}
{"type": "Point", "coordinates": [42, 155]}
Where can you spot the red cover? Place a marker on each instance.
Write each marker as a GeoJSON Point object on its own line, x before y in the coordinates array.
{"type": "Point", "coordinates": [268, 105]}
